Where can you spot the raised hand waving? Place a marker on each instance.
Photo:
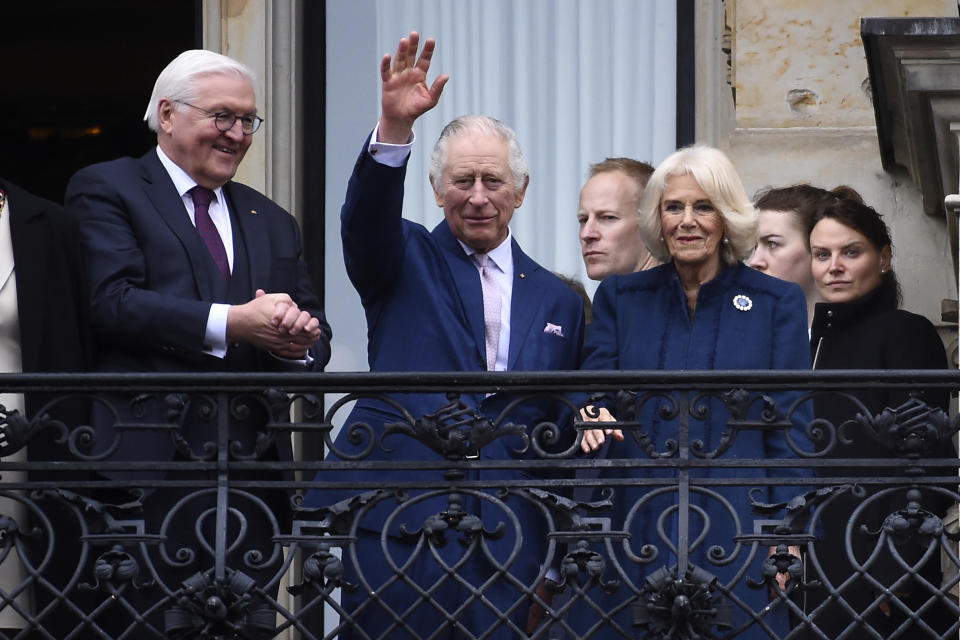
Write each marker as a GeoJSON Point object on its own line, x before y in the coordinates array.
{"type": "Point", "coordinates": [405, 95]}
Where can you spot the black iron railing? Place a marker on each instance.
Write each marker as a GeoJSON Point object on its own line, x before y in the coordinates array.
{"type": "Point", "coordinates": [738, 504]}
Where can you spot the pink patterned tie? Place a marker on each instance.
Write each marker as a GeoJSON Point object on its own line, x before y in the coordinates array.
{"type": "Point", "coordinates": [491, 309]}
{"type": "Point", "coordinates": [202, 197]}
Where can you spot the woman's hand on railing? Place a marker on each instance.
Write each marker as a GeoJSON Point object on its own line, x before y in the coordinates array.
{"type": "Point", "coordinates": [593, 439]}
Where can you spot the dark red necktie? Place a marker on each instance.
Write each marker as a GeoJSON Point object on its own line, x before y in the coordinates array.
{"type": "Point", "coordinates": [202, 197]}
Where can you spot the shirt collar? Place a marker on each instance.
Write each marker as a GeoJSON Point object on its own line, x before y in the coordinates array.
{"type": "Point", "coordinates": [501, 255]}
{"type": "Point", "coordinates": [182, 181]}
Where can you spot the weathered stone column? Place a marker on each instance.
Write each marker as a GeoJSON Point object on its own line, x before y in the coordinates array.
{"type": "Point", "coordinates": [264, 35]}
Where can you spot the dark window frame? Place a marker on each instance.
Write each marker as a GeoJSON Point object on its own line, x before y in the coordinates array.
{"type": "Point", "coordinates": [686, 73]}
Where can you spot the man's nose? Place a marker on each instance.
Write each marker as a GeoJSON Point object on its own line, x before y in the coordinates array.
{"type": "Point", "coordinates": [478, 192]}
{"type": "Point", "coordinates": [589, 231]}
{"type": "Point", "coordinates": [236, 131]}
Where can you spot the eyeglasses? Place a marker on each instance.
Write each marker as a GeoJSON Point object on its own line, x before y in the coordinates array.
{"type": "Point", "coordinates": [224, 120]}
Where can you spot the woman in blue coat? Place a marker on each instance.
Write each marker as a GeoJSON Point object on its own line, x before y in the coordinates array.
{"type": "Point", "coordinates": [702, 309]}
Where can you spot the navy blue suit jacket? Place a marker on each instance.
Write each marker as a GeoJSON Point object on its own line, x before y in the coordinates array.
{"type": "Point", "coordinates": [151, 277]}
{"type": "Point", "coordinates": [424, 304]}
{"type": "Point", "coordinates": [424, 307]}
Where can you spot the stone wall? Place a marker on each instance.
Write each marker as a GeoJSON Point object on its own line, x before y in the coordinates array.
{"type": "Point", "coordinates": [791, 103]}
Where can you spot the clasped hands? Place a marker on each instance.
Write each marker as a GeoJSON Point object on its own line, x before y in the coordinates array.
{"type": "Point", "coordinates": [274, 322]}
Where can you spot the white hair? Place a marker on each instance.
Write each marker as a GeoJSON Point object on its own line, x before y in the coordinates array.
{"type": "Point", "coordinates": [482, 125]}
{"type": "Point", "coordinates": [718, 178]}
{"type": "Point", "coordinates": [178, 80]}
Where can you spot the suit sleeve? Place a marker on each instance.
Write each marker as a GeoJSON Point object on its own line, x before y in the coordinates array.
{"type": "Point", "coordinates": [72, 270]}
{"type": "Point", "coordinates": [601, 349]}
{"type": "Point", "coordinates": [307, 300]}
{"type": "Point", "coordinates": [122, 309]}
{"type": "Point", "coordinates": [371, 226]}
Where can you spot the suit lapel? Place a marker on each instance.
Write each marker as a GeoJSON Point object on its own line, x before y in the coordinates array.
{"type": "Point", "coordinates": [249, 222]}
{"type": "Point", "coordinates": [524, 304]}
{"type": "Point", "coordinates": [466, 280]}
{"type": "Point", "coordinates": [163, 195]}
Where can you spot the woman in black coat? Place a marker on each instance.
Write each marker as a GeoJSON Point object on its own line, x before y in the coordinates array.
{"type": "Point", "coordinates": [859, 326]}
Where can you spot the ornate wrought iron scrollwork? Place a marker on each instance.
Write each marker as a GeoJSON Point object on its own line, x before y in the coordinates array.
{"type": "Point", "coordinates": [323, 569]}
{"type": "Point", "coordinates": [913, 522]}
{"type": "Point", "coordinates": [580, 564]}
{"type": "Point", "coordinates": [781, 561]}
{"type": "Point", "coordinates": [911, 430]}
{"type": "Point", "coordinates": [16, 430]}
{"type": "Point", "coordinates": [567, 510]}
{"type": "Point", "coordinates": [101, 514]}
{"type": "Point", "coordinates": [682, 607]}
{"type": "Point", "coordinates": [115, 568]}
{"type": "Point", "coordinates": [207, 608]}
{"type": "Point", "coordinates": [627, 406]}
{"type": "Point", "coordinates": [456, 431]}
{"type": "Point", "coordinates": [451, 520]}
{"type": "Point", "coordinates": [582, 561]}
{"type": "Point", "coordinates": [497, 534]}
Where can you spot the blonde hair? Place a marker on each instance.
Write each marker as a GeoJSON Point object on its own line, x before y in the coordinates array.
{"type": "Point", "coordinates": [715, 174]}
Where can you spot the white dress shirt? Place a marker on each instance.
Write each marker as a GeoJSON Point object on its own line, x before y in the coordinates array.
{"type": "Point", "coordinates": [215, 335]}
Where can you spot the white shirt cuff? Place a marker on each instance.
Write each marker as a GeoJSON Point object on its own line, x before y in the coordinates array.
{"type": "Point", "coordinates": [392, 155]}
{"type": "Point", "coordinates": [215, 337]}
{"type": "Point", "coordinates": [305, 361]}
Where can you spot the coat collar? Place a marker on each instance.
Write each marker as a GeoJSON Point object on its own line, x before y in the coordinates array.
{"type": "Point", "coordinates": [838, 314]}
{"type": "Point", "coordinates": [720, 282]}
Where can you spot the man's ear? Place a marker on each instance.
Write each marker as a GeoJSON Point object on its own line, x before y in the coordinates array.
{"type": "Point", "coordinates": [165, 111]}
{"type": "Point", "coordinates": [437, 195]}
{"type": "Point", "coordinates": [520, 193]}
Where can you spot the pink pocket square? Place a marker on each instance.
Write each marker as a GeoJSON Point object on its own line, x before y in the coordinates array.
{"type": "Point", "coordinates": [553, 329]}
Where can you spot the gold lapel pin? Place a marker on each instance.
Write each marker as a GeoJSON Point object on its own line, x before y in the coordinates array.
{"type": "Point", "coordinates": [253, 211]}
{"type": "Point", "coordinates": [522, 276]}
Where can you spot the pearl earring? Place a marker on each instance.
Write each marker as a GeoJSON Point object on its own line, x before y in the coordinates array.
{"type": "Point", "coordinates": [726, 240]}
